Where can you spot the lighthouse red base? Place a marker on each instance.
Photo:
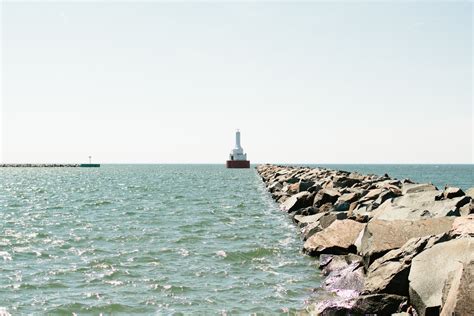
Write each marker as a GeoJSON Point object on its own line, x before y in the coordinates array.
{"type": "Point", "coordinates": [238, 164]}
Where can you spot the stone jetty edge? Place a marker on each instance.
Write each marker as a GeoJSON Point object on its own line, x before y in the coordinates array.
{"type": "Point", "coordinates": [385, 246]}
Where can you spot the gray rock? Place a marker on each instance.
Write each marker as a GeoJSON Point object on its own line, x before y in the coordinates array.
{"type": "Point", "coordinates": [380, 236]}
{"type": "Point", "coordinates": [430, 270]}
{"type": "Point", "coordinates": [349, 278]}
{"type": "Point", "coordinates": [296, 201]}
{"type": "Point", "coordinates": [329, 263]}
{"type": "Point", "coordinates": [338, 238]}
{"type": "Point", "coordinates": [410, 209]}
{"type": "Point", "coordinates": [389, 274]}
{"type": "Point", "coordinates": [321, 221]}
{"type": "Point", "coordinates": [458, 291]}
{"type": "Point", "coordinates": [417, 187]}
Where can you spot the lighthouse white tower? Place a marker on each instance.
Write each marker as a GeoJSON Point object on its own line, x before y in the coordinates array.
{"type": "Point", "coordinates": [237, 157]}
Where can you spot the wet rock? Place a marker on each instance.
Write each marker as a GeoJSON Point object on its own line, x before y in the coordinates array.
{"type": "Point", "coordinates": [457, 297]}
{"type": "Point", "coordinates": [296, 201]}
{"type": "Point", "coordinates": [329, 263]}
{"type": "Point", "coordinates": [338, 238]}
{"type": "Point", "coordinates": [378, 304]}
{"type": "Point", "coordinates": [380, 236]}
{"type": "Point", "coordinates": [430, 270]}
{"type": "Point", "coordinates": [344, 272]}
{"type": "Point", "coordinates": [389, 274]}
{"type": "Point", "coordinates": [326, 196]}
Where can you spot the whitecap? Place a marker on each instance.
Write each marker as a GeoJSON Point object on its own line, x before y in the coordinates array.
{"type": "Point", "coordinates": [184, 252]}
{"type": "Point", "coordinates": [221, 253]}
{"type": "Point", "coordinates": [6, 256]}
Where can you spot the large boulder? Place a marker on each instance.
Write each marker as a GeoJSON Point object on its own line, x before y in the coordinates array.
{"type": "Point", "coordinates": [380, 236]}
{"type": "Point", "coordinates": [389, 274]}
{"type": "Point", "coordinates": [458, 291]}
{"type": "Point", "coordinates": [296, 201]}
{"type": "Point", "coordinates": [410, 208]}
{"type": "Point", "coordinates": [338, 238]}
{"type": "Point", "coordinates": [430, 270]}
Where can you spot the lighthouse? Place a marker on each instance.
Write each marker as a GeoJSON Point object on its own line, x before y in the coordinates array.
{"type": "Point", "coordinates": [237, 157]}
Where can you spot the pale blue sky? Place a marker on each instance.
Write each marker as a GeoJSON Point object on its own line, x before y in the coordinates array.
{"type": "Point", "coordinates": [312, 82]}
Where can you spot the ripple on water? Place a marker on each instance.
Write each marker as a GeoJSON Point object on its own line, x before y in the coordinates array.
{"type": "Point", "coordinates": [145, 240]}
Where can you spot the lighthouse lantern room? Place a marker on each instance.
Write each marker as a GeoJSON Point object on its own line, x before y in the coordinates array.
{"type": "Point", "coordinates": [237, 157]}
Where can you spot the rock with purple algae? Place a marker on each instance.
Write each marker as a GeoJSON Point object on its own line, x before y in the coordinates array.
{"type": "Point", "coordinates": [343, 272]}
{"type": "Point", "coordinates": [377, 304]}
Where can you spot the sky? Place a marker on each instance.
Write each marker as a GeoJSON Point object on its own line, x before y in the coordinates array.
{"type": "Point", "coordinates": [170, 82]}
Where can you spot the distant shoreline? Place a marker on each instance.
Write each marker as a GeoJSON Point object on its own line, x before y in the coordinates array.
{"type": "Point", "coordinates": [47, 165]}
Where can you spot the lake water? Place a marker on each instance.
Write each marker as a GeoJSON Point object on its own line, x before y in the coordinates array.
{"type": "Point", "coordinates": [146, 239]}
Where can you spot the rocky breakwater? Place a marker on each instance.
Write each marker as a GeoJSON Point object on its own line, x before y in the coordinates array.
{"type": "Point", "coordinates": [384, 245]}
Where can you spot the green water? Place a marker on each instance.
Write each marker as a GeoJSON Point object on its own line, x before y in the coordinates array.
{"type": "Point", "coordinates": [145, 239]}
{"type": "Point", "coordinates": [158, 239]}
